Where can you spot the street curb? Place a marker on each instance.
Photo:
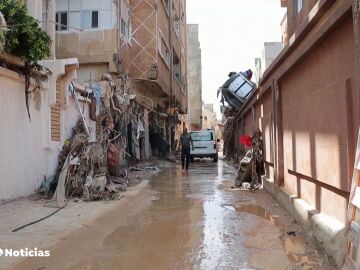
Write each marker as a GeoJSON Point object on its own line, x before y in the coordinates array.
{"type": "Point", "coordinates": [327, 231]}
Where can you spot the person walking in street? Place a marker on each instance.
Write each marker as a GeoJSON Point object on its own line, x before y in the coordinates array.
{"type": "Point", "coordinates": [186, 141]}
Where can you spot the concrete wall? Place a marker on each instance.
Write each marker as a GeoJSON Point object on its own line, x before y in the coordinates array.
{"type": "Point", "coordinates": [22, 164]}
{"type": "Point", "coordinates": [91, 46]}
{"type": "Point", "coordinates": [194, 79]}
{"type": "Point", "coordinates": [209, 117]}
{"type": "Point", "coordinates": [27, 153]}
{"type": "Point", "coordinates": [96, 45]}
{"type": "Point", "coordinates": [270, 51]}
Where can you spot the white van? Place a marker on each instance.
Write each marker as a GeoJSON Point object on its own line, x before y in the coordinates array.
{"type": "Point", "coordinates": [205, 144]}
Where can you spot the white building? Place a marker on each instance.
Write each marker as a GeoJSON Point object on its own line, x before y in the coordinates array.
{"type": "Point", "coordinates": [270, 51]}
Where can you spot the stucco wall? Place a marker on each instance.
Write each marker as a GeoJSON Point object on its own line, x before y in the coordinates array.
{"type": "Point", "coordinates": [22, 163]}
{"type": "Point", "coordinates": [27, 153]}
{"type": "Point", "coordinates": [310, 98]}
{"type": "Point", "coordinates": [318, 111]}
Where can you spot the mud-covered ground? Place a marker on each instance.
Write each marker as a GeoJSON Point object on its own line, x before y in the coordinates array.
{"type": "Point", "coordinates": [185, 220]}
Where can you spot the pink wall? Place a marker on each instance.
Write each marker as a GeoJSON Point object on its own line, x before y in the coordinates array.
{"type": "Point", "coordinates": [319, 123]}
{"type": "Point", "coordinates": [318, 98]}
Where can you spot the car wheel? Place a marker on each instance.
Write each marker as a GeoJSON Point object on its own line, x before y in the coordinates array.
{"type": "Point", "coordinates": [216, 157]}
{"type": "Point", "coordinates": [192, 159]}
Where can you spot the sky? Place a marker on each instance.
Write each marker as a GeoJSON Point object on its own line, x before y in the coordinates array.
{"type": "Point", "coordinates": [232, 34]}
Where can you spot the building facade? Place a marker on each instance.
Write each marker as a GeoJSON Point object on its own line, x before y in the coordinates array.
{"type": "Point", "coordinates": [141, 43]}
{"type": "Point", "coordinates": [269, 53]}
{"type": "Point", "coordinates": [194, 78]}
{"type": "Point", "coordinates": [306, 106]}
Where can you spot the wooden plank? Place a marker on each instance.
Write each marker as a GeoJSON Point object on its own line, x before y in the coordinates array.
{"type": "Point", "coordinates": [321, 184]}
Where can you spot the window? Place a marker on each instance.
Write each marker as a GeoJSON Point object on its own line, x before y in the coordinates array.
{"type": "Point", "coordinates": [164, 50]}
{"type": "Point", "coordinates": [298, 6]}
{"type": "Point", "coordinates": [176, 67]}
{"type": "Point", "coordinates": [90, 19]}
{"type": "Point", "coordinates": [202, 136]}
{"type": "Point", "coordinates": [61, 21]}
{"type": "Point", "coordinates": [84, 14]}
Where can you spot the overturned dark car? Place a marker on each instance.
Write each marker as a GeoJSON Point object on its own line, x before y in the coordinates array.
{"type": "Point", "coordinates": [237, 89]}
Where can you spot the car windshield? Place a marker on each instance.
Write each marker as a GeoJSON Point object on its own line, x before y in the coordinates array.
{"type": "Point", "coordinates": [241, 87]}
{"type": "Point", "coordinates": [202, 136]}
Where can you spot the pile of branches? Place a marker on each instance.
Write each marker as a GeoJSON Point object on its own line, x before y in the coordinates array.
{"type": "Point", "coordinates": [91, 170]}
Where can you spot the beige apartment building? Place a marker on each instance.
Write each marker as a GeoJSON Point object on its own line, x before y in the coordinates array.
{"type": "Point", "coordinates": [141, 43]}
{"type": "Point", "coordinates": [194, 117]}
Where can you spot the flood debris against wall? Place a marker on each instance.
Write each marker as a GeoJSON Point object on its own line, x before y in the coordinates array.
{"type": "Point", "coordinates": [251, 165]}
{"type": "Point", "coordinates": [98, 168]}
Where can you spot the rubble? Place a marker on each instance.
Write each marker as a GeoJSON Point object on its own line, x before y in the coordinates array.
{"type": "Point", "coordinates": [251, 164]}
{"type": "Point", "coordinates": [98, 169]}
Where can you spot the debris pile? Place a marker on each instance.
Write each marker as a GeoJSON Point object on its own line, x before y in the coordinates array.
{"type": "Point", "coordinates": [251, 166]}
{"type": "Point", "coordinates": [96, 167]}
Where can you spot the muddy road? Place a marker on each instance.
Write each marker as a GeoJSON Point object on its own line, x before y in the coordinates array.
{"type": "Point", "coordinates": [187, 220]}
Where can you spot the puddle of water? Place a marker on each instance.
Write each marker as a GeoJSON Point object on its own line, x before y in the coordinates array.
{"type": "Point", "coordinates": [295, 247]}
{"type": "Point", "coordinates": [258, 211]}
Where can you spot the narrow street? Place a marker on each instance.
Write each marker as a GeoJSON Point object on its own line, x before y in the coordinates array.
{"type": "Point", "coordinates": [100, 99]}
{"type": "Point", "coordinates": [187, 220]}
